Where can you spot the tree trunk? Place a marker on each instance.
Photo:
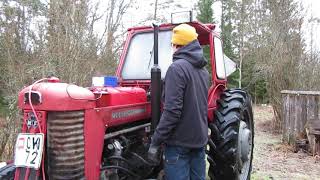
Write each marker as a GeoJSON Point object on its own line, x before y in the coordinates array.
{"type": "Point", "coordinates": [155, 10]}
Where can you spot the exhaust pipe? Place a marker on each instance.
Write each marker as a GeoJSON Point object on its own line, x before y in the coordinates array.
{"type": "Point", "coordinates": [155, 83]}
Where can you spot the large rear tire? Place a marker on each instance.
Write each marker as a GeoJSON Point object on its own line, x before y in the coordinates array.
{"type": "Point", "coordinates": [231, 140]}
{"type": "Point", "coordinates": [7, 172]}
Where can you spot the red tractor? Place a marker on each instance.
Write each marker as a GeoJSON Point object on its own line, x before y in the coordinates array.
{"type": "Point", "coordinates": [103, 132]}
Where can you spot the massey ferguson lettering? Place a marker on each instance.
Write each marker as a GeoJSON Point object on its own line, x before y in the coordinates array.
{"type": "Point", "coordinates": [127, 113]}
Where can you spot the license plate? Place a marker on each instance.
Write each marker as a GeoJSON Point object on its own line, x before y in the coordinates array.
{"type": "Point", "coordinates": [28, 150]}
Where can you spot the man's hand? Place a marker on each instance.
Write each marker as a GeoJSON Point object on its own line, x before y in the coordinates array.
{"type": "Point", "coordinates": [154, 154]}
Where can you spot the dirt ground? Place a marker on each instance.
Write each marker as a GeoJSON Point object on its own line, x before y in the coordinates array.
{"type": "Point", "coordinates": [274, 160]}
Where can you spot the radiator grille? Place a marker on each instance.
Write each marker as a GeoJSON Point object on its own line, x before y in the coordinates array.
{"type": "Point", "coordinates": [65, 145]}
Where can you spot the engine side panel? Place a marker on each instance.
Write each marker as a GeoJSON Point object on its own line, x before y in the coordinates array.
{"type": "Point", "coordinates": [117, 96]}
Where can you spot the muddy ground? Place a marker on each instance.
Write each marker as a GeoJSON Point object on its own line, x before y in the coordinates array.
{"type": "Point", "coordinates": [273, 159]}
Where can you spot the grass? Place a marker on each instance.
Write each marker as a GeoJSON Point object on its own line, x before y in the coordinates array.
{"type": "Point", "coordinates": [257, 176]}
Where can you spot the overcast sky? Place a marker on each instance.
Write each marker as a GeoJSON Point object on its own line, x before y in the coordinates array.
{"type": "Point", "coordinates": [312, 8]}
{"type": "Point", "coordinates": [144, 8]}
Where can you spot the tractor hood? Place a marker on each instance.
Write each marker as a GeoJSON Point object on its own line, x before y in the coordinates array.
{"type": "Point", "coordinates": [57, 97]}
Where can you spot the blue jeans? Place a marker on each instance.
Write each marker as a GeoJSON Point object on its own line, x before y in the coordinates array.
{"type": "Point", "coordinates": [182, 163]}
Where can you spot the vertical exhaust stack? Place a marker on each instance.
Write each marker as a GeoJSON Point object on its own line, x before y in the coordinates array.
{"type": "Point", "coordinates": [155, 84]}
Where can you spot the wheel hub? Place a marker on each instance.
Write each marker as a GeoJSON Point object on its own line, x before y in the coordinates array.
{"type": "Point", "coordinates": [244, 145]}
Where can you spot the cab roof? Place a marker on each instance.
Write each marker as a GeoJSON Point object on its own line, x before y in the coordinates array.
{"type": "Point", "coordinates": [203, 30]}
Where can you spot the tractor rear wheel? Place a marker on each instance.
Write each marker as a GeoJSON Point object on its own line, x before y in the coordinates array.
{"type": "Point", "coordinates": [7, 172]}
{"type": "Point", "coordinates": [231, 139]}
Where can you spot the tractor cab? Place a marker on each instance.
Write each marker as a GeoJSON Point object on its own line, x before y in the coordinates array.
{"type": "Point", "coordinates": [138, 57]}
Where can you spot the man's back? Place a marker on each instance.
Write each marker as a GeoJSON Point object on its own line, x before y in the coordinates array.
{"type": "Point", "coordinates": [192, 130]}
{"type": "Point", "coordinates": [183, 125]}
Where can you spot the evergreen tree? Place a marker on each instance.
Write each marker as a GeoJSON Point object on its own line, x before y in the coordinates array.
{"type": "Point", "coordinates": [205, 15]}
{"type": "Point", "coordinates": [205, 11]}
{"type": "Point", "coordinates": [241, 39]}
{"type": "Point", "coordinates": [228, 16]}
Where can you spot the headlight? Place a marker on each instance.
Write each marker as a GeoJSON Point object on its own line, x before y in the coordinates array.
{"type": "Point", "coordinates": [2, 164]}
{"type": "Point", "coordinates": [181, 17]}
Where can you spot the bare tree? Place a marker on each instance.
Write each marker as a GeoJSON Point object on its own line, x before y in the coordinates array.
{"type": "Point", "coordinates": [113, 24]}
{"type": "Point", "coordinates": [16, 55]}
{"type": "Point", "coordinates": [38, 39]}
{"type": "Point", "coordinates": [283, 50]}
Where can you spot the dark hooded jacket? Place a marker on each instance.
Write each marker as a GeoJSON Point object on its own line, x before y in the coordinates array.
{"type": "Point", "coordinates": [184, 117]}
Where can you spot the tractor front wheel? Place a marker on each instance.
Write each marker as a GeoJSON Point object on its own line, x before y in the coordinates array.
{"type": "Point", "coordinates": [231, 139]}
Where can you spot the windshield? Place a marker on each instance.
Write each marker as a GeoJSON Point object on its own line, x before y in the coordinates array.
{"type": "Point", "coordinates": [139, 58]}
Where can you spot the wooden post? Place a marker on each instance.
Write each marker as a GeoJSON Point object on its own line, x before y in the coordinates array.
{"type": "Point", "coordinates": [286, 115]}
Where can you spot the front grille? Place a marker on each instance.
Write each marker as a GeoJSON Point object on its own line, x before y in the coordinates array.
{"type": "Point", "coordinates": [65, 145]}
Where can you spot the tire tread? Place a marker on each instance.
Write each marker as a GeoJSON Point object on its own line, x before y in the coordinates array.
{"type": "Point", "coordinates": [222, 153]}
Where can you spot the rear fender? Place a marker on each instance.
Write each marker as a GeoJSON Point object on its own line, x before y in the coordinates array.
{"type": "Point", "coordinates": [213, 95]}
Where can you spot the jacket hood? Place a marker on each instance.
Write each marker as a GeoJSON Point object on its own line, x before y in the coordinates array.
{"type": "Point", "coordinates": [192, 53]}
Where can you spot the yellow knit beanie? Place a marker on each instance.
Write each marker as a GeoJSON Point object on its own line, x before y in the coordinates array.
{"type": "Point", "coordinates": [183, 34]}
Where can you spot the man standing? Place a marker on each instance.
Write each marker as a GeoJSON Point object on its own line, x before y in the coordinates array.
{"type": "Point", "coordinates": [183, 125]}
